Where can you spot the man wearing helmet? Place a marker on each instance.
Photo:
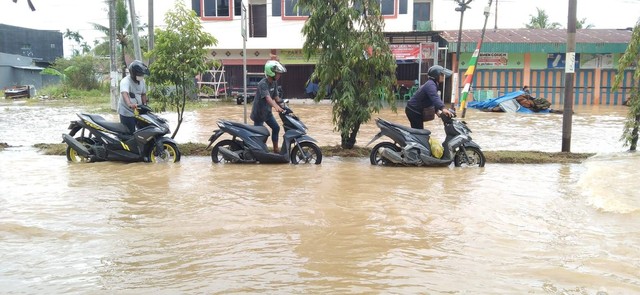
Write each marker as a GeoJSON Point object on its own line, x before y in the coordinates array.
{"type": "Point", "coordinates": [133, 91]}
{"type": "Point", "coordinates": [427, 96]}
{"type": "Point", "coordinates": [266, 98]}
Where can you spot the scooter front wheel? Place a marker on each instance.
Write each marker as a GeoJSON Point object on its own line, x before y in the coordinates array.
{"type": "Point", "coordinates": [306, 153]}
{"type": "Point", "coordinates": [171, 154]}
{"type": "Point", "coordinates": [376, 153]}
{"type": "Point", "coordinates": [469, 157]}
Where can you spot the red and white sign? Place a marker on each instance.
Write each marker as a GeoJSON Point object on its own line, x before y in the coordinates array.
{"type": "Point", "coordinates": [412, 51]}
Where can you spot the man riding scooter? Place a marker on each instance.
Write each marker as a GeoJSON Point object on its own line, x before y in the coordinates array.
{"type": "Point", "coordinates": [266, 98]}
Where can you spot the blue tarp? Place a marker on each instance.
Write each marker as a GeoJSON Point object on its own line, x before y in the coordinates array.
{"type": "Point", "coordinates": [494, 102]}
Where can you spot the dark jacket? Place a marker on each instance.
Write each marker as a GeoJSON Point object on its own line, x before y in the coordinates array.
{"type": "Point", "coordinates": [261, 110]}
{"type": "Point", "coordinates": [426, 96]}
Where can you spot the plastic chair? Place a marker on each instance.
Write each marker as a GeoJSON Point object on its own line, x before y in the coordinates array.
{"type": "Point", "coordinates": [411, 92]}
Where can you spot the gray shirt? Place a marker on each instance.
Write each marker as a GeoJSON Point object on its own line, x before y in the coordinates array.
{"type": "Point", "coordinates": [135, 91]}
{"type": "Point", "coordinates": [261, 110]}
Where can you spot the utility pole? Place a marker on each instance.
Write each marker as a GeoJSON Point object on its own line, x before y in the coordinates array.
{"type": "Point", "coordinates": [569, 73]}
{"type": "Point", "coordinates": [134, 29]}
{"type": "Point", "coordinates": [495, 27]}
{"type": "Point", "coordinates": [462, 6]}
{"type": "Point", "coordinates": [113, 69]}
{"type": "Point", "coordinates": [151, 36]}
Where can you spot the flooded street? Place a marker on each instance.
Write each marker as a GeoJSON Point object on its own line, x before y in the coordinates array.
{"type": "Point", "coordinates": [342, 227]}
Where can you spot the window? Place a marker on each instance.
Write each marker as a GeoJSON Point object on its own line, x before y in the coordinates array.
{"type": "Point", "coordinates": [387, 7]}
{"type": "Point", "coordinates": [257, 20]}
{"type": "Point", "coordinates": [53, 45]}
{"type": "Point", "coordinates": [403, 7]}
{"type": "Point", "coordinates": [237, 7]}
{"type": "Point", "coordinates": [421, 13]}
{"type": "Point", "coordinates": [290, 9]}
{"type": "Point", "coordinates": [215, 8]}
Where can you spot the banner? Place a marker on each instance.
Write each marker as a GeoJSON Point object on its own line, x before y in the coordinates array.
{"type": "Point", "coordinates": [493, 59]}
{"type": "Point", "coordinates": [405, 51]}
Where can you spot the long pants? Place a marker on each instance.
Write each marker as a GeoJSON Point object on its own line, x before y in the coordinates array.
{"type": "Point", "coordinates": [415, 119]}
{"type": "Point", "coordinates": [275, 128]}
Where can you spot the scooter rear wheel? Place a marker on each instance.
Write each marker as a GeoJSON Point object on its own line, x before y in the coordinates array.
{"type": "Point", "coordinates": [474, 157]}
{"type": "Point", "coordinates": [216, 156]}
{"type": "Point", "coordinates": [73, 156]}
{"type": "Point", "coordinates": [376, 155]}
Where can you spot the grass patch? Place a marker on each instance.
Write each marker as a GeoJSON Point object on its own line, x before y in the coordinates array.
{"type": "Point", "coordinates": [502, 157]}
{"type": "Point", "coordinates": [534, 157]}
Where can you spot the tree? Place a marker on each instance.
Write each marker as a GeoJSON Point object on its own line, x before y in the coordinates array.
{"type": "Point", "coordinates": [541, 21]}
{"type": "Point", "coordinates": [354, 60]}
{"type": "Point", "coordinates": [631, 58]}
{"type": "Point", "coordinates": [75, 36]}
{"type": "Point", "coordinates": [581, 24]}
{"type": "Point", "coordinates": [179, 55]}
{"type": "Point", "coordinates": [123, 33]}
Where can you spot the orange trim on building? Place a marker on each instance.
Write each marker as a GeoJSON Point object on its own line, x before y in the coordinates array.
{"type": "Point", "coordinates": [526, 73]}
{"type": "Point", "coordinates": [596, 86]}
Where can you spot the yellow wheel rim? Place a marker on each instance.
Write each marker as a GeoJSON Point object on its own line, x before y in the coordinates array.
{"type": "Point", "coordinates": [169, 154]}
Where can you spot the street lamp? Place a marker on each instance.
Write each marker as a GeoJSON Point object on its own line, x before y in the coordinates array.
{"type": "Point", "coordinates": [462, 6]}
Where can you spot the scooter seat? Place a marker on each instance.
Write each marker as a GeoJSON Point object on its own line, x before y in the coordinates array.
{"type": "Point", "coordinates": [113, 126]}
{"type": "Point", "coordinates": [412, 130]}
{"type": "Point", "coordinates": [257, 129]}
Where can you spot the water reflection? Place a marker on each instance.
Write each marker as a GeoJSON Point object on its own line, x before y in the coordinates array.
{"type": "Point", "coordinates": [341, 227]}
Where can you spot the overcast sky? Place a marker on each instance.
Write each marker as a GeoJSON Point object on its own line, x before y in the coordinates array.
{"type": "Point", "coordinates": [77, 15]}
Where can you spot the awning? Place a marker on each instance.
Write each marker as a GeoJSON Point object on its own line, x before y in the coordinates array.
{"type": "Point", "coordinates": [32, 68]}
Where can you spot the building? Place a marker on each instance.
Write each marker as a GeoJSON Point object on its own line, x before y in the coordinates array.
{"type": "Point", "coordinates": [275, 29]}
{"type": "Point", "coordinates": [24, 53]}
{"type": "Point", "coordinates": [513, 58]}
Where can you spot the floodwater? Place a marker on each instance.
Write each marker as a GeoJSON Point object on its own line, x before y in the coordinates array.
{"type": "Point", "coordinates": [342, 227]}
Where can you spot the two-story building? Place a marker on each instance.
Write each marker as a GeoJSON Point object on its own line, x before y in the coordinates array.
{"type": "Point", "coordinates": [511, 58]}
{"type": "Point", "coordinates": [274, 28]}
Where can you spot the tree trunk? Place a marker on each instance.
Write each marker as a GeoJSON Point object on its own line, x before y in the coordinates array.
{"type": "Point", "coordinates": [634, 135]}
{"type": "Point", "coordinates": [348, 142]}
{"type": "Point", "coordinates": [180, 106]}
{"type": "Point", "coordinates": [124, 62]}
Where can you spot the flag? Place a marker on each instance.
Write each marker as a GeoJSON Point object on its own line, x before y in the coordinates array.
{"type": "Point", "coordinates": [468, 78]}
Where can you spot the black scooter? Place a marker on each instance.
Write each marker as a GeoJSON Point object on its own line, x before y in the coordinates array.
{"type": "Point", "coordinates": [102, 140]}
{"type": "Point", "coordinates": [411, 147]}
{"type": "Point", "coordinates": [248, 143]}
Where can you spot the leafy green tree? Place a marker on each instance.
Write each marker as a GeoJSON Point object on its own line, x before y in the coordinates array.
{"type": "Point", "coordinates": [631, 58]}
{"type": "Point", "coordinates": [541, 21]}
{"type": "Point", "coordinates": [354, 60]}
{"type": "Point", "coordinates": [179, 54]}
{"type": "Point", "coordinates": [80, 71]}
{"type": "Point", "coordinates": [123, 34]}
{"type": "Point", "coordinates": [75, 36]}
{"type": "Point", "coordinates": [581, 24]}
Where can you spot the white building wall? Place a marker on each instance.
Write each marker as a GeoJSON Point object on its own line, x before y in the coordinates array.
{"type": "Point", "coordinates": [281, 34]}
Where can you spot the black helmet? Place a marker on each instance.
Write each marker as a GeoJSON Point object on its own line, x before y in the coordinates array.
{"type": "Point", "coordinates": [435, 72]}
{"type": "Point", "coordinates": [138, 68]}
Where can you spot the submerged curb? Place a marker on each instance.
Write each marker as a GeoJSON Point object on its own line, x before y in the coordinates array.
{"type": "Point", "coordinates": [501, 157]}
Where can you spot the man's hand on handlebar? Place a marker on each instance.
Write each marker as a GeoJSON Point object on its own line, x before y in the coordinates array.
{"type": "Point", "coordinates": [445, 112]}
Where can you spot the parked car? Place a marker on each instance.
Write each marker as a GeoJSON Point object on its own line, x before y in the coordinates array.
{"type": "Point", "coordinates": [252, 86]}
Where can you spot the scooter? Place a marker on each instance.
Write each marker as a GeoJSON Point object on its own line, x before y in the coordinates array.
{"type": "Point", "coordinates": [102, 140]}
{"type": "Point", "coordinates": [248, 143]}
{"type": "Point", "coordinates": [411, 147]}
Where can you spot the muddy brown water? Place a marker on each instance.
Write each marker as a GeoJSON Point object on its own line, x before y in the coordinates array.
{"type": "Point", "coordinates": [342, 227]}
